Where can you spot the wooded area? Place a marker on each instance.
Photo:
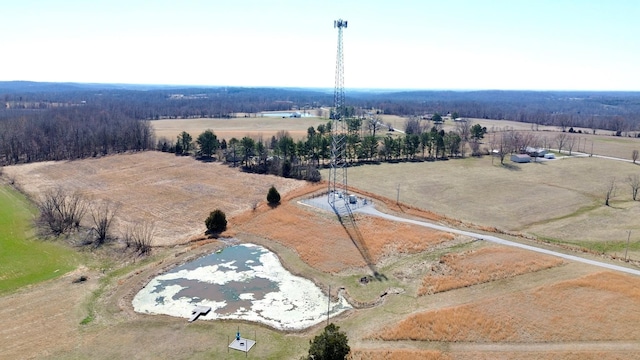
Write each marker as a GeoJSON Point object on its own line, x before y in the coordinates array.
{"type": "Point", "coordinates": [71, 133]}
{"type": "Point", "coordinates": [49, 121]}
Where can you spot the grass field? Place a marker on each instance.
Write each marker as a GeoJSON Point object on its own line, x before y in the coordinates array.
{"type": "Point", "coordinates": [25, 260]}
{"type": "Point", "coordinates": [289, 227]}
{"type": "Point", "coordinates": [568, 311]}
{"type": "Point", "coordinates": [174, 193]}
{"type": "Point", "coordinates": [551, 313]}
{"type": "Point", "coordinates": [255, 127]}
{"type": "Point", "coordinates": [459, 269]}
{"type": "Point", "coordinates": [561, 200]}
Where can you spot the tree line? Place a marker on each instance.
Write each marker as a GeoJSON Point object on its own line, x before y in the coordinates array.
{"type": "Point", "coordinates": [365, 143]}
{"type": "Point", "coordinates": [71, 133]}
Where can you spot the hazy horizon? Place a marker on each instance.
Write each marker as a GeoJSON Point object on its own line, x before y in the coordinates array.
{"type": "Point", "coordinates": [405, 45]}
{"type": "Point", "coordinates": [322, 89]}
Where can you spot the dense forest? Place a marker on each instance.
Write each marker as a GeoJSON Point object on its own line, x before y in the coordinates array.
{"type": "Point", "coordinates": [55, 121]}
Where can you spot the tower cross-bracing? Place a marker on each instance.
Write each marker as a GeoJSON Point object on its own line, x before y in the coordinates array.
{"type": "Point", "coordinates": [338, 171]}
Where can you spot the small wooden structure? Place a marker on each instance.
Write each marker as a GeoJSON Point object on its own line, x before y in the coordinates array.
{"type": "Point", "coordinates": [199, 310]}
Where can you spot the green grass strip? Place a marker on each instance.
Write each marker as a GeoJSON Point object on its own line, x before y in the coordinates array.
{"type": "Point", "coordinates": [25, 260]}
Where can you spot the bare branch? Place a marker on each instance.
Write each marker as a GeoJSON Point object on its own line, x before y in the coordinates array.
{"type": "Point", "coordinates": [571, 142]}
{"type": "Point", "coordinates": [634, 182]}
{"type": "Point", "coordinates": [61, 211]}
{"type": "Point", "coordinates": [140, 237]}
{"type": "Point", "coordinates": [610, 191]}
{"type": "Point", "coordinates": [102, 217]}
{"type": "Point", "coordinates": [561, 140]}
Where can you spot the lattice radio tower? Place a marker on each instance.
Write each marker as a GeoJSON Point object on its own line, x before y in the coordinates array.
{"type": "Point", "coordinates": [338, 171]}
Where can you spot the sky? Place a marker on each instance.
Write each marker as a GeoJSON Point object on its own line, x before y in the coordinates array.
{"type": "Point", "coordinates": [399, 44]}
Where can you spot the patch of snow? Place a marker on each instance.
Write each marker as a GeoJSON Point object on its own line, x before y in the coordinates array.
{"type": "Point", "coordinates": [246, 296]}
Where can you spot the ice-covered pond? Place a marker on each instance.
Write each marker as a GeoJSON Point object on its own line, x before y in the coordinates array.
{"type": "Point", "coordinates": [244, 282]}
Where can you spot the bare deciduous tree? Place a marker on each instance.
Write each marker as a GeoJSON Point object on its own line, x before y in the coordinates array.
{"type": "Point", "coordinates": [140, 237]}
{"type": "Point", "coordinates": [564, 121]}
{"type": "Point", "coordinates": [528, 140]}
{"type": "Point", "coordinates": [475, 148]}
{"type": "Point", "coordinates": [610, 191]}
{"type": "Point", "coordinates": [61, 210]}
{"type": "Point", "coordinates": [634, 155]}
{"type": "Point", "coordinates": [463, 129]}
{"type": "Point", "coordinates": [102, 216]}
{"type": "Point", "coordinates": [561, 140]}
{"type": "Point", "coordinates": [504, 144]}
{"type": "Point", "coordinates": [571, 142]}
{"type": "Point", "coordinates": [412, 126]}
{"type": "Point", "coordinates": [592, 124]}
{"type": "Point", "coordinates": [634, 182]}
{"type": "Point", "coordinates": [373, 125]}
{"type": "Point", "coordinates": [618, 125]}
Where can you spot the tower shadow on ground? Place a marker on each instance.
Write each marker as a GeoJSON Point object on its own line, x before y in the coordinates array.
{"type": "Point", "coordinates": [351, 227]}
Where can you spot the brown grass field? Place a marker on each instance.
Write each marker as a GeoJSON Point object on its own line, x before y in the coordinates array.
{"type": "Point", "coordinates": [289, 226]}
{"type": "Point", "coordinates": [385, 354]}
{"type": "Point", "coordinates": [460, 269]}
{"type": "Point", "coordinates": [492, 302]}
{"type": "Point", "coordinates": [550, 313]}
{"type": "Point", "coordinates": [256, 127]}
{"type": "Point", "coordinates": [174, 193]}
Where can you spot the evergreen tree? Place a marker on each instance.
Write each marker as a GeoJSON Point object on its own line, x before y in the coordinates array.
{"type": "Point", "coordinates": [216, 222]}
{"type": "Point", "coordinates": [273, 196]}
{"type": "Point", "coordinates": [331, 344]}
{"type": "Point", "coordinates": [185, 140]}
{"type": "Point", "coordinates": [208, 143]}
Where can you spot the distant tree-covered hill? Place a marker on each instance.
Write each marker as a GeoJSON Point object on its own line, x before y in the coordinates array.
{"type": "Point", "coordinates": [616, 111]}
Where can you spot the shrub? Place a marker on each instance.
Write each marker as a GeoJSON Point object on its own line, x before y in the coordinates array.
{"type": "Point", "coordinates": [216, 222]}
{"type": "Point", "coordinates": [140, 237]}
{"type": "Point", "coordinates": [102, 216]}
{"type": "Point", "coordinates": [273, 196]}
{"type": "Point", "coordinates": [60, 210]}
{"type": "Point", "coordinates": [313, 174]}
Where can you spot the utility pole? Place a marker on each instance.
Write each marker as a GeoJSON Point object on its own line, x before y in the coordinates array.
{"type": "Point", "coordinates": [627, 249]}
{"type": "Point", "coordinates": [328, 305]}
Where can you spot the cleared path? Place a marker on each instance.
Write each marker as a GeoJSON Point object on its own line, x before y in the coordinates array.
{"type": "Point", "coordinates": [372, 211]}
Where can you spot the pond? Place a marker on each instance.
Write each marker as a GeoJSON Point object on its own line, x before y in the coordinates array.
{"type": "Point", "coordinates": [245, 282]}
